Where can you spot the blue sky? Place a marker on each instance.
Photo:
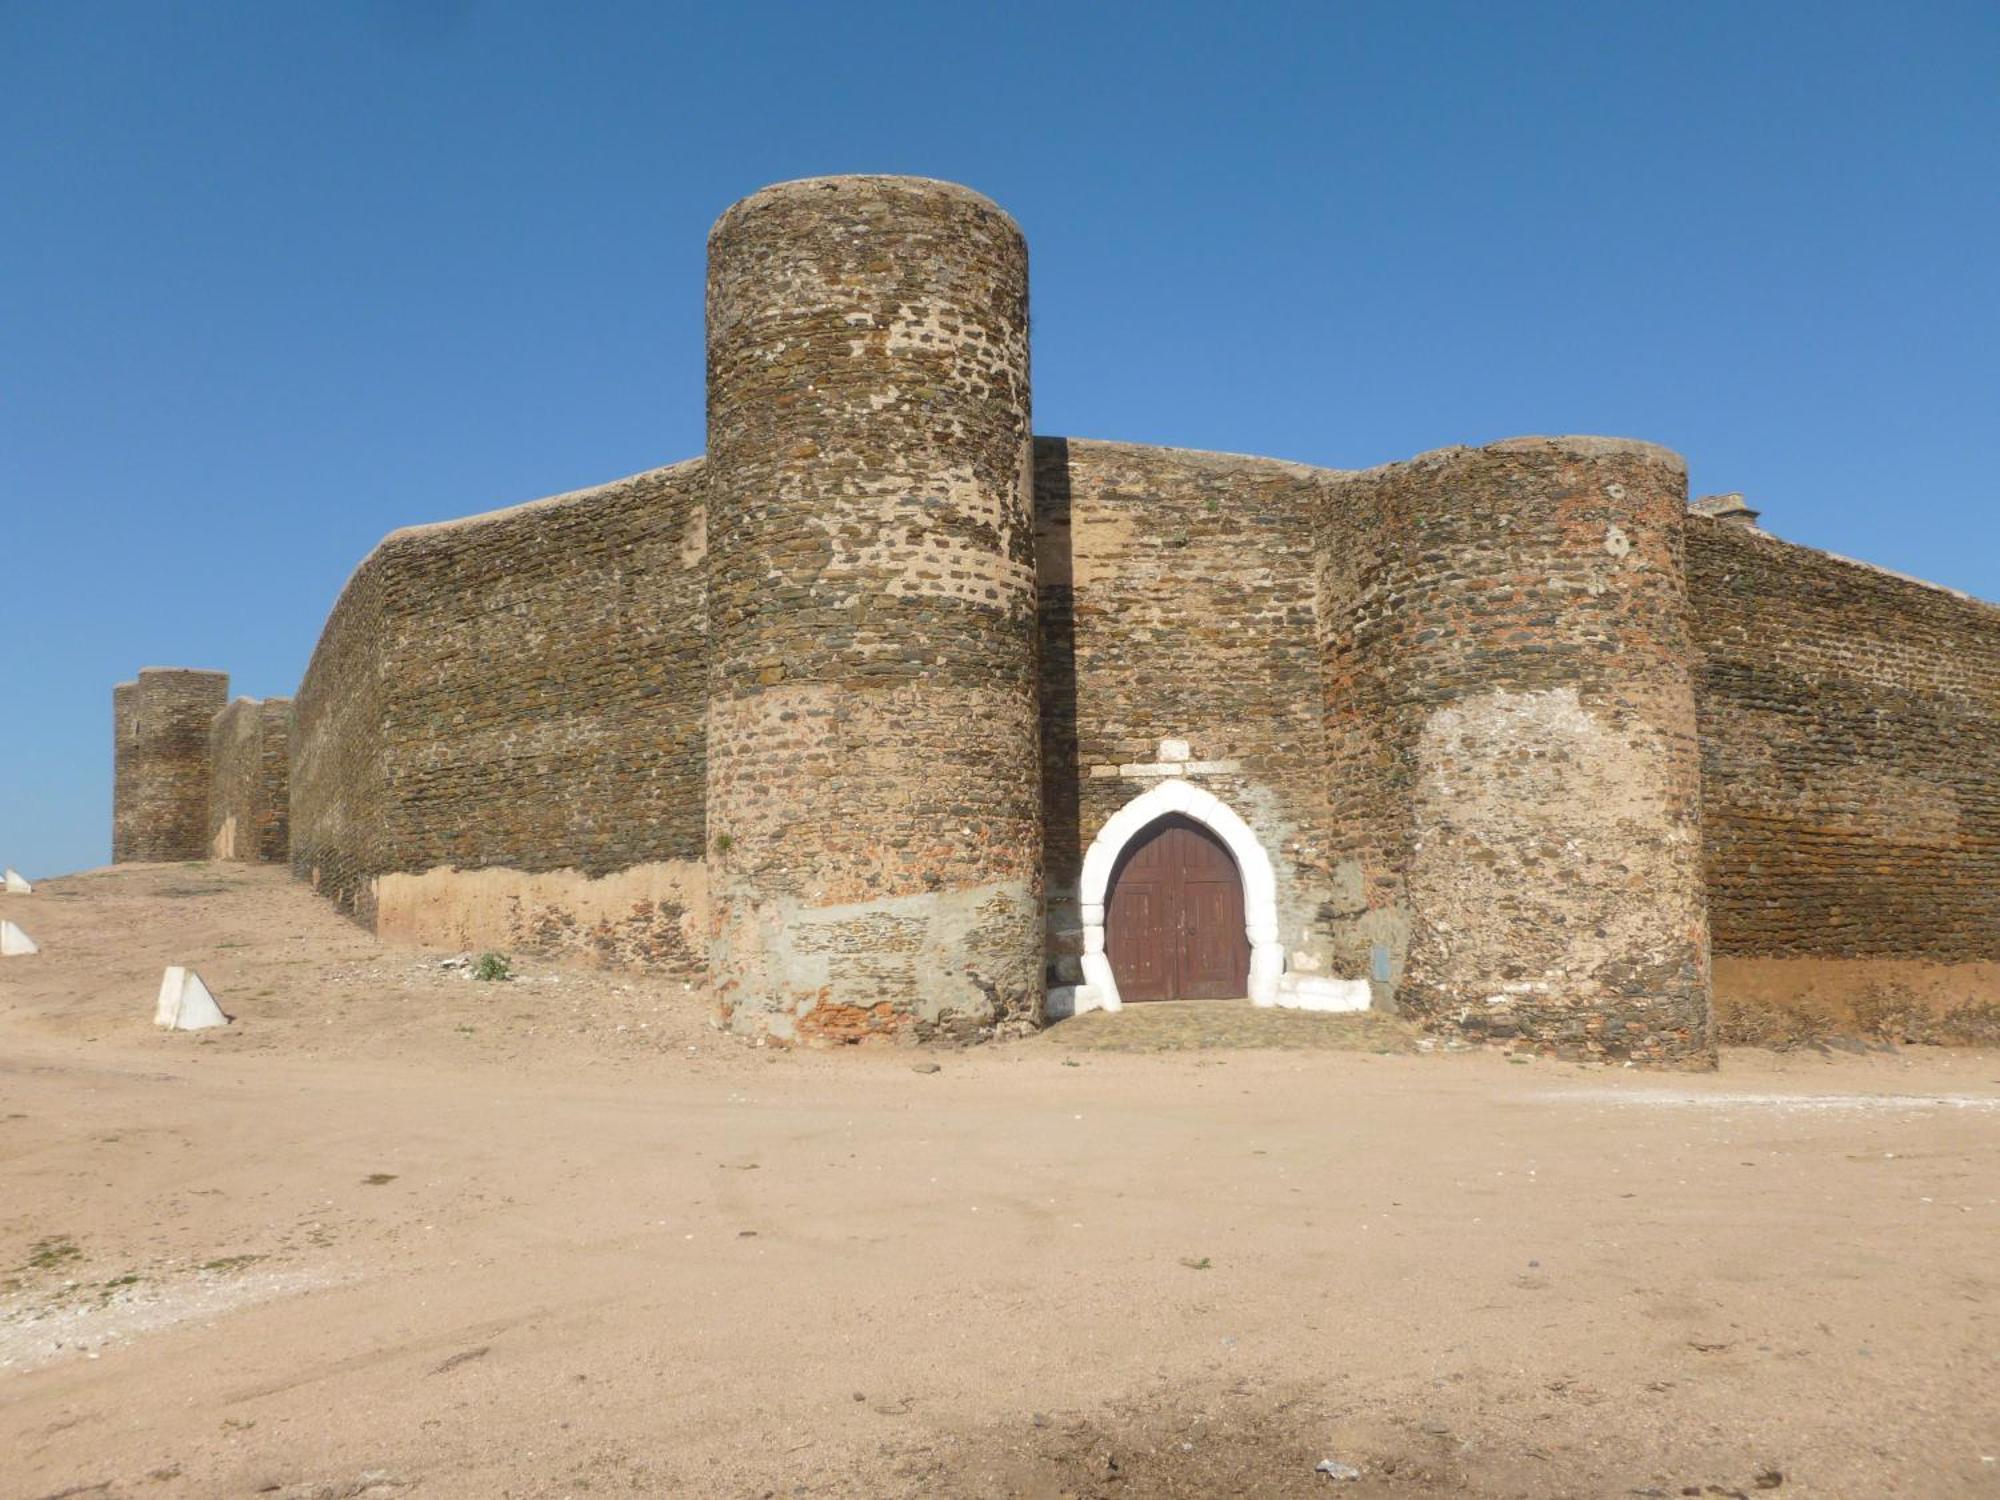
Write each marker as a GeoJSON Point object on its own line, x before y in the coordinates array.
{"type": "Point", "coordinates": [278, 278]}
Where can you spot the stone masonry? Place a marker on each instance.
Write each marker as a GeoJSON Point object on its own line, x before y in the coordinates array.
{"type": "Point", "coordinates": [873, 798]}
{"type": "Point", "coordinates": [851, 717]}
{"type": "Point", "coordinates": [161, 724]}
{"type": "Point", "coordinates": [1511, 744]}
{"type": "Point", "coordinates": [249, 799]}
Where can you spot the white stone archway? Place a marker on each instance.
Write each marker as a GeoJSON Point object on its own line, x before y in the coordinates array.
{"type": "Point", "coordinates": [1260, 887]}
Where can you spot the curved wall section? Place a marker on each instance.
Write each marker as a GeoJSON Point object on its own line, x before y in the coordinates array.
{"type": "Point", "coordinates": [499, 739]}
{"type": "Point", "coordinates": [160, 756]}
{"type": "Point", "coordinates": [875, 838]}
{"type": "Point", "coordinates": [1514, 771]}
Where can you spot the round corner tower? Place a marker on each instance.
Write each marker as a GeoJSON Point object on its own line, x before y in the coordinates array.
{"type": "Point", "coordinates": [1517, 766]}
{"type": "Point", "coordinates": [874, 817]}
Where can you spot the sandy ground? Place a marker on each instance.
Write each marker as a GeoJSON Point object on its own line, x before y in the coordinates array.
{"type": "Point", "coordinates": [396, 1233]}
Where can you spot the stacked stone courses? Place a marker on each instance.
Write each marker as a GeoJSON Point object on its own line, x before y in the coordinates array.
{"type": "Point", "coordinates": [522, 692]}
{"type": "Point", "coordinates": [249, 801]}
{"type": "Point", "coordinates": [851, 719]}
{"type": "Point", "coordinates": [1514, 762]}
{"type": "Point", "coordinates": [1851, 768]}
{"type": "Point", "coordinates": [161, 754]}
{"type": "Point", "coordinates": [873, 798]}
{"type": "Point", "coordinates": [1177, 604]}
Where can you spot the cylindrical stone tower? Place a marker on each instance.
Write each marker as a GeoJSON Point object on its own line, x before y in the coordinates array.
{"type": "Point", "coordinates": [873, 801]}
{"type": "Point", "coordinates": [1516, 775]}
{"type": "Point", "coordinates": [160, 762]}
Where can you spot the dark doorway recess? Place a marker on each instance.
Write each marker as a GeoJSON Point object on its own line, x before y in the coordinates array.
{"type": "Point", "coordinates": [1174, 924]}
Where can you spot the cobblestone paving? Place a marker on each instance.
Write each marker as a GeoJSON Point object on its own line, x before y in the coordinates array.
{"type": "Point", "coordinates": [1198, 1025]}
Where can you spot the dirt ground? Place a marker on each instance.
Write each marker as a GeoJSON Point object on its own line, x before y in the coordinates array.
{"type": "Point", "coordinates": [399, 1234]}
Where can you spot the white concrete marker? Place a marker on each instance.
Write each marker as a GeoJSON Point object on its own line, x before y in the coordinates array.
{"type": "Point", "coordinates": [1337, 996]}
{"type": "Point", "coordinates": [185, 1003]}
{"type": "Point", "coordinates": [15, 943]}
{"type": "Point", "coordinates": [17, 883]}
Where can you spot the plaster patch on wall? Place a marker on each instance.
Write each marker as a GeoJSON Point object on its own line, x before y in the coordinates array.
{"type": "Point", "coordinates": [1540, 879]}
{"type": "Point", "coordinates": [1782, 1002]}
{"type": "Point", "coordinates": [650, 916]}
{"type": "Point", "coordinates": [936, 963]}
{"type": "Point", "coordinates": [694, 540]}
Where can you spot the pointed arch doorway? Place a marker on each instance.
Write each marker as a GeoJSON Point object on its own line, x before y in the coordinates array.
{"type": "Point", "coordinates": [1173, 926]}
{"type": "Point", "coordinates": [1253, 866]}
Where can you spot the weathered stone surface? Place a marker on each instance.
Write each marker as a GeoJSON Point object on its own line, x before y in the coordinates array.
{"type": "Point", "coordinates": [161, 724]}
{"type": "Point", "coordinates": [817, 715]}
{"type": "Point", "coordinates": [875, 834]}
{"type": "Point", "coordinates": [249, 800]}
{"type": "Point", "coordinates": [522, 690]}
{"type": "Point", "coordinates": [1514, 766]}
{"type": "Point", "coordinates": [1176, 598]}
{"type": "Point", "coordinates": [1850, 725]}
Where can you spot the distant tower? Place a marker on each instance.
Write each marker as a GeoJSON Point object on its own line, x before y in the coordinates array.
{"type": "Point", "coordinates": [161, 763]}
{"type": "Point", "coordinates": [1516, 778]}
{"type": "Point", "coordinates": [874, 819]}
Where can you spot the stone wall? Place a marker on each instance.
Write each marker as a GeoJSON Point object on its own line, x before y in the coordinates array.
{"type": "Point", "coordinates": [829, 758]}
{"type": "Point", "coordinates": [1177, 598]}
{"type": "Point", "coordinates": [1514, 771]}
{"type": "Point", "coordinates": [249, 801]}
{"type": "Point", "coordinates": [518, 695]}
{"type": "Point", "coordinates": [1850, 724]}
{"type": "Point", "coordinates": [338, 804]}
{"type": "Point", "coordinates": [873, 795]}
{"type": "Point", "coordinates": [160, 754]}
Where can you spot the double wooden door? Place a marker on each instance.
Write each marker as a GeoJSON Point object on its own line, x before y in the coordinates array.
{"type": "Point", "coordinates": [1174, 925]}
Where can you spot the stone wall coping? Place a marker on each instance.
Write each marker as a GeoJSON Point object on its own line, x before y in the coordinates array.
{"type": "Point", "coordinates": [585, 496]}
{"type": "Point", "coordinates": [1578, 445]}
{"type": "Point", "coordinates": [548, 502]}
{"type": "Point", "coordinates": [1201, 457]}
{"type": "Point", "coordinates": [863, 183]}
{"type": "Point", "coordinates": [1759, 534]}
{"type": "Point", "coordinates": [176, 672]}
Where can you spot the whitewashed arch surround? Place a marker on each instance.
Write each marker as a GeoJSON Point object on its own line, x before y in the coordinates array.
{"type": "Point", "coordinates": [1260, 886]}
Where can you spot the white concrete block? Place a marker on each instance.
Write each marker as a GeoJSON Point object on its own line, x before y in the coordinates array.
{"type": "Point", "coordinates": [1176, 750]}
{"type": "Point", "coordinates": [16, 883]}
{"type": "Point", "coordinates": [185, 1003]}
{"type": "Point", "coordinates": [15, 943]}
{"type": "Point", "coordinates": [1310, 992]}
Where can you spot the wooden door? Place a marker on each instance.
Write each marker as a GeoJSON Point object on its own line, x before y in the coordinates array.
{"type": "Point", "coordinates": [1174, 924]}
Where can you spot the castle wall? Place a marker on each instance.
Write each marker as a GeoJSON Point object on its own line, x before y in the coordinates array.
{"type": "Point", "coordinates": [161, 778]}
{"type": "Point", "coordinates": [1462, 705]}
{"type": "Point", "coordinates": [1850, 724]}
{"type": "Point", "coordinates": [249, 802]}
{"type": "Point", "coordinates": [338, 801]}
{"type": "Point", "coordinates": [1514, 808]}
{"type": "Point", "coordinates": [873, 799]}
{"type": "Point", "coordinates": [1177, 599]}
{"type": "Point", "coordinates": [500, 738]}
